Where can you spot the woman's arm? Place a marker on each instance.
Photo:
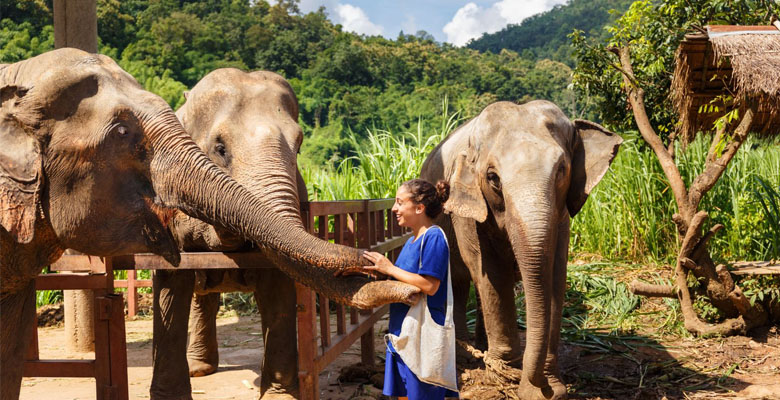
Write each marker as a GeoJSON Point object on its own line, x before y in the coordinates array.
{"type": "Point", "coordinates": [428, 284]}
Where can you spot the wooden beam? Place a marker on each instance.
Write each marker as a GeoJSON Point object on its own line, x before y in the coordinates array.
{"type": "Point", "coordinates": [75, 24]}
{"type": "Point", "coordinates": [69, 282]}
{"type": "Point", "coordinates": [341, 343]}
{"type": "Point", "coordinates": [60, 368]}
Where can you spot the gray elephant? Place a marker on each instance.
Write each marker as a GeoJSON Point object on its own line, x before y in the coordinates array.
{"type": "Point", "coordinates": [91, 161]}
{"type": "Point", "coordinates": [247, 123]}
{"type": "Point", "coordinates": [518, 173]}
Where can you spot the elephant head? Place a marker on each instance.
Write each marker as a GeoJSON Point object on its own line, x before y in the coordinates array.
{"type": "Point", "coordinates": [91, 161]}
{"type": "Point", "coordinates": [517, 174]}
{"type": "Point", "coordinates": [247, 123]}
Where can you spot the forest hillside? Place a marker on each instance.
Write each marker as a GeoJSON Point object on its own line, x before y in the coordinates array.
{"type": "Point", "coordinates": [347, 84]}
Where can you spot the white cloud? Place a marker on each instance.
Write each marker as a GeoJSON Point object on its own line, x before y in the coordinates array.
{"type": "Point", "coordinates": [471, 21]}
{"type": "Point", "coordinates": [352, 18]}
{"type": "Point", "coordinates": [355, 19]}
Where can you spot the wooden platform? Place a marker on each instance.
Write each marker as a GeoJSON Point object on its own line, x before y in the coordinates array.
{"type": "Point", "coordinates": [756, 268]}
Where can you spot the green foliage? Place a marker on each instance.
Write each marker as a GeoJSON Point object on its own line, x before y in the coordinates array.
{"type": "Point", "coordinates": [380, 166]}
{"type": "Point", "coordinates": [653, 30]}
{"type": "Point", "coordinates": [19, 41]}
{"type": "Point", "coordinates": [545, 35]}
{"type": "Point", "coordinates": [761, 288]}
{"type": "Point", "coordinates": [43, 297]}
{"type": "Point", "coordinates": [628, 215]}
{"type": "Point", "coordinates": [348, 85]}
{"type": "Point", "coordinates": [769, 198]}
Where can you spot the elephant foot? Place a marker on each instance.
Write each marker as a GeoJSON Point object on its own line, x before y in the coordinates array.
{"type": "Point", "coordinates": [559, 388]}
{"type": "Point", "coordinates": [277, 395]}
{"type": "Point", "coordinates": [528, 391]}
{"type": "Point", "coordinates": [200, 368]}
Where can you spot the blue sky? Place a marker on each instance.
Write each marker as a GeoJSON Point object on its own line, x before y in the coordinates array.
{"type": "Point", "coordinates": [453, 21]}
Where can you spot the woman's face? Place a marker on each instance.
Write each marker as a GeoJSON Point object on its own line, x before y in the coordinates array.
{"type": "Point", "coordinates": [406, 212]}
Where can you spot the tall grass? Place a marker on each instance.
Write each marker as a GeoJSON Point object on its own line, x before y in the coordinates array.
{"type": "Point", "coordinates": [380, 166]}
{"type": "Point", "coordinates": [629, 214]}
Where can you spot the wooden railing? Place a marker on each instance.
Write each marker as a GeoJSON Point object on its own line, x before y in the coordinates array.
{"type": "Point", "coordinates": [366, 224]}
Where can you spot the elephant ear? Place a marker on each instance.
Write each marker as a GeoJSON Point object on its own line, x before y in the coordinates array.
{"type": "Point", "coordinates": [466, 198]}
{"type": "Point", "coordinates": [594, 148]}
{"type": "Point", "coordinates": [20, 166]}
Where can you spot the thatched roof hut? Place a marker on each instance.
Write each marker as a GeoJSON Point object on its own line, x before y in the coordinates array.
{"type": "Point", "coordinates": [741, 61]}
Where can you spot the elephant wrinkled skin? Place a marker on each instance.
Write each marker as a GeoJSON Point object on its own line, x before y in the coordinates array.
{"type": "Point", "coordinates": [91, 161]}
{"type": "Point", "coordinates": [247, 123]}
{"type": "Point", "coordinates": [518, 173]}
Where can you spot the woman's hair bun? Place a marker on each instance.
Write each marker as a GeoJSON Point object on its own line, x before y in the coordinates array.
{"type": "Point", "coordinates": [442, 191]}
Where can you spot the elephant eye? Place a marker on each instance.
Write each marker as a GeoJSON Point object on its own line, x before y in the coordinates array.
{"type": "Point", "coordinates": [121, 130]}
{"type": "Point", "coordinates": [561, 171]}
{"type": "Point", "coordinates": [220, 149]}
{"type": "Point", "coordinates": [494, 180]}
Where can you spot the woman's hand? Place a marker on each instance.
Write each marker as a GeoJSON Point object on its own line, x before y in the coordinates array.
{"type": "Point", "coordinates": [381, 264]}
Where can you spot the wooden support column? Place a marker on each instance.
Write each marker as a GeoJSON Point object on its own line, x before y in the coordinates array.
{"type": "Point", "coordinates": [75, 25]}
{"type": "Point", "coordinates": [366, 231]}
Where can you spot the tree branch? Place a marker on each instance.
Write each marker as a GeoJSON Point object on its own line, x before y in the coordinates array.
{"type": "Point", "coordinates": [714, 168]}
{"type": "Point", "coordinates": [636, 99]}
{"type": "Point", "coordinates": [651, 290]}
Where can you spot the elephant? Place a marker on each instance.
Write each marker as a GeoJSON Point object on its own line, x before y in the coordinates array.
{"type": "Point", "coordinates": [518, 173]}
{"type": "Point", "coordinates": [91, 161]}
{"type": "Point", "coordinates": [247, 123]}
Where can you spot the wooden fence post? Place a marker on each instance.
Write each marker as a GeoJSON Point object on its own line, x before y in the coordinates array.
{"type": "Point", "coordinates": [365, 232]}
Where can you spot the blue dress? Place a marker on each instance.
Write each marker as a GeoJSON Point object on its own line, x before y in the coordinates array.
{"type": "Point", "coordinates": [399, 380]}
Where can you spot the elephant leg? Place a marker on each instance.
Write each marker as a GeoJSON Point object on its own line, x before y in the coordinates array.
{"type": "Point", "coordinates": [275, 296]}
{"type": "Point", "coordinates": [495, 285]}
{"type": "Point", "coordinates": [461, 283]}
{"type": "Point", "coordinates": [551, 368]}
{"type": "Point", "coordinates": [18, 311]}
{"type": "Point", "coordinates": [203, 350]}
{"type": "Point", "coordinates": [172, 298]}
{"type": "Point", "coordinates": [480, 335]}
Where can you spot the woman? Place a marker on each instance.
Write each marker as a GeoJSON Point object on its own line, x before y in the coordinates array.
{"type": "Point", "coordinates": [417, 204]}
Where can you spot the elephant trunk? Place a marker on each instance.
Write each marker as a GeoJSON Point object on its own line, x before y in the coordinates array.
{"type": "Point", "coordinates": [533, 245]}
{"type": "Point", "coordinates": [184, 178]}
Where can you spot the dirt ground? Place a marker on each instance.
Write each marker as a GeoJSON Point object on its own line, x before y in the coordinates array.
{"type": "Point", "coordinates": [733, 368]}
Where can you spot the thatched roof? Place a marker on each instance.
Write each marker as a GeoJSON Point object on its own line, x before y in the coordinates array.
{"type": "Point", "coordinates": [743, 61]}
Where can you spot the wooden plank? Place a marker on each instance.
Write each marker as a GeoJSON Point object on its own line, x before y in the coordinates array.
{"type": "Point", "coordinates": [380, 204]}
{"type": "Point", "coordinates": [342, 342]}
{"type": "Point", "coordinates": [102, 349]}
{"type": "Point", "coordinates": [117, 347]}
{"type": "Point", "coordinates": [774, 270]}
{"type": "Point", "coordinates": [336, 207]}
{"type": "Point", "coordinates": [379, 226]}
{"type": "Point", "coordinates": [363, 228]}
{"type": "Point", "coordinates": [193, 260]}
{"type": "Point", "coordinates": [60, 368]}
{"type": "Point", "coordinates": [338, 228]}
{"type": "Point", "coordinates": [73, 281]}
{"type": "Point", "coordinates": [756, 268]}
{"type": "Point", "coordinates": [32, 348]}
{"type": "Point", "coordinates": [391, 244]}
{"type": "Point", "coordinates": [367, 348]}
{"type": "Point", "coordinates": [324, 321]}
{"type": "Point", "coordinates": [322, 227]}
{"type": "Point", "coordinates": [341, 320]}
{"type": "Point", "coordinates": [350, 236]}
{"type": "Point", "coordinates": [372, 239]}
{"type": "Point", "coordinates": [137, 283]}
{"type": "Point", "coordinates": [307, 347]}
{"type": "Point", "coordinates": [78, 263]}
{"type": "Point", "coordinates": [132, 292]}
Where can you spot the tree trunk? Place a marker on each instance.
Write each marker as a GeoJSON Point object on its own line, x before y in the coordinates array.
{"type": "Point", "coordinates": [693, 256]}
